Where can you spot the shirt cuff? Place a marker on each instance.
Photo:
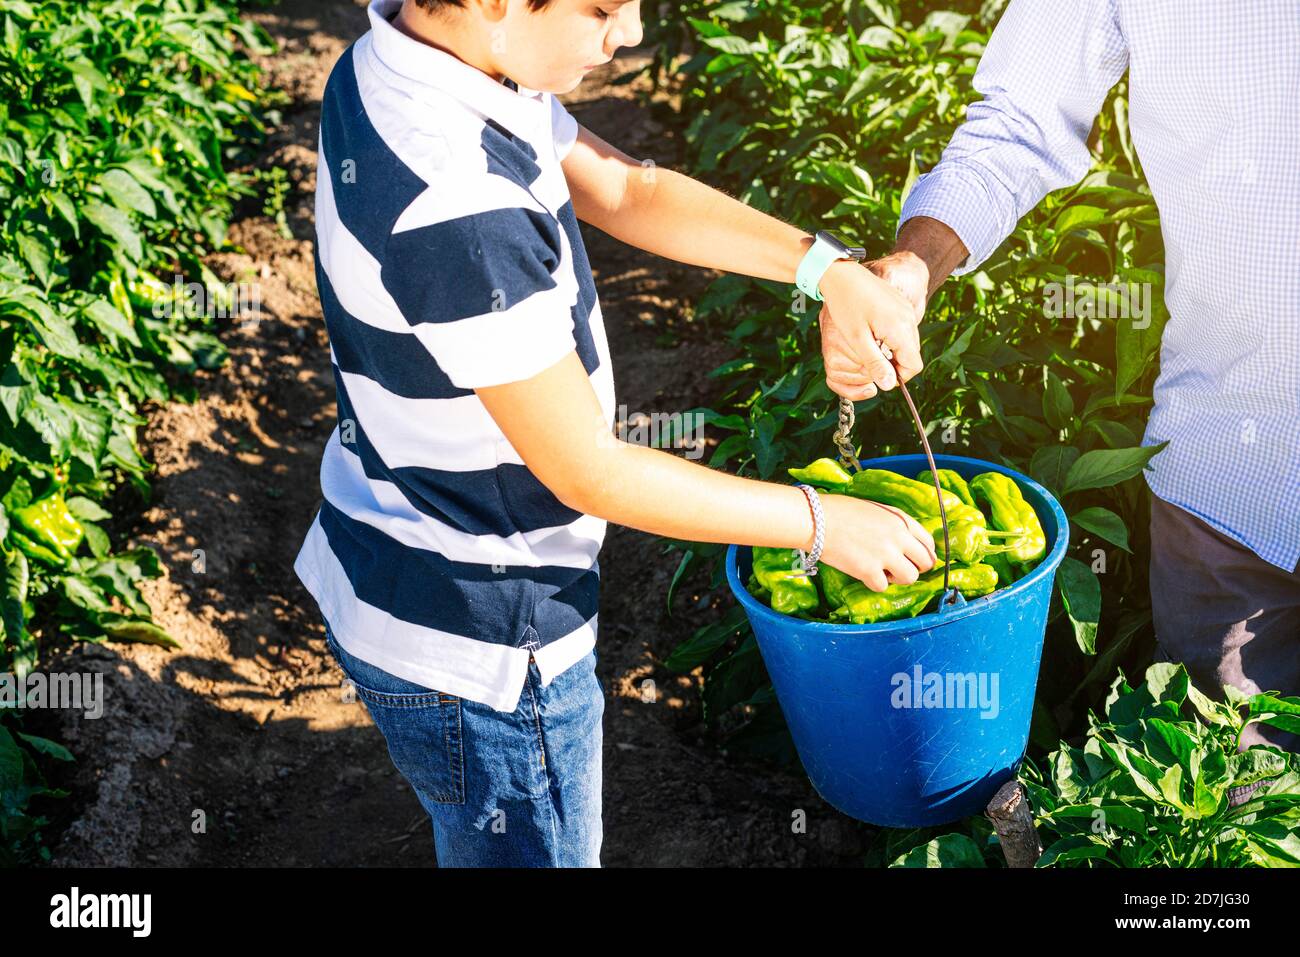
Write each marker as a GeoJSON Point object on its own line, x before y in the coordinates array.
{"type": "Point", "coordinates": [959, 198]}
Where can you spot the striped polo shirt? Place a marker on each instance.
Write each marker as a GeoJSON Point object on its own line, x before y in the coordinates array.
{"type": "Point", "coordinates": [448, 257]}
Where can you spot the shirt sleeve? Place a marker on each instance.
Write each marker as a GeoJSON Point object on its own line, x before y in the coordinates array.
{"type": "Point", "coordinates": [1044, 77]}
{"type": "Point", "coordinates": [564, 128]}
{"type": "Point", "coordinates": [487, 294]}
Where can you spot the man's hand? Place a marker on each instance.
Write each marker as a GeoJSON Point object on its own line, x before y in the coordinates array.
{"type": "Point", "coordinates": [861, 312]}
{"type": "Point", "coordinates": [908, 273]}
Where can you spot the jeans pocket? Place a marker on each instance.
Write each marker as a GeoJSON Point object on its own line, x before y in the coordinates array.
{"type": "Point", "coordinates": [421, 727]}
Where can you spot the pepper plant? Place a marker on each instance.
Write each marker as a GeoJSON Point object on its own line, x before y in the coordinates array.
{"type": "Point", "coordinates": [117, 123]}
{"type": "Point", "coordinates": [1149, 786]}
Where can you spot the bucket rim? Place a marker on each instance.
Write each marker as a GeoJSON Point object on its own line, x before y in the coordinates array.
{"type": "Point", "coordinates": [753, 607]}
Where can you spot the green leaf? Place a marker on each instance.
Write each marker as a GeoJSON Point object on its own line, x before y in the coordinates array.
{"type": "Point", "coordinates": [37, 255]}
{"type": "Point", "coordinates": [947, 850]}
{"type": "Point", "coordinates": [11, 152]}
{"type": "Point", "coordinates": [1138, 337]}
{"type": "Point", "coordinates": [17, 579]}
{"type": "Point", "coordinates": [1169, 743]}
{"type": "Point", "coordinates": [1254, 764]}
{"type": "Point", "coordinates": [1102, 468]}
{"type": "Point", "coordinates": [1050, 465]}
{"type": "Point", "coordinates": [882, 12]}
{"type": "Point", "coordinates": [1073, 848]}
{"type": "Point", "coordinates": [11, 763]}
{"type": "Point", "coordinates": [1166, 681]}
{"type": "Point", "coordinates": [734, 679]}
{"type": "Point", "coordinates": [47, 747]}
{"type": "Point", "coordinates": [83, 593]}
{"type": "Point", "coordinates": [1081, 594]}
{"type": "Point", "coordinates": [1077, 217]}
{"type": "Point", "coordinates": [1283, 713]}
{"type": "Point", "coordinates": [127, 194]}
{"type": "Point", "coordinates": [86, 509]}
{"type": "Point", "coordinates": [728, 44]}
{"type": "Point", "coordinates": [112, 323]}
{"type": "Point", "coordinates": [1058, 406]}
{"type": "Point", "coordinates": [1275, 844]}
{"type": "Point", "coordinates": [87, 79]}
{"type": "Point", "coordinates": [64, 206]}
{"type": "Point", "coordinates": [97, 539]}
{"type": "Point", "coordinates": [701, 646]}
{"type": "Point", "coordinates": [116, 225]}
{"type": "Point", "coordinates": [1105, 524]}
{"type": "Point", "coordinates": [688, 558]}
{"type": "Point", "coordinates": [1112, 814]}
{"type": "Point", "coordinates": [1068, 774]}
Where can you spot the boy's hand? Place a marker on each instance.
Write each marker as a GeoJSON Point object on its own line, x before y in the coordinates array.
{"type": "Point", "coordinates": [860, 310]}
{"type": "Point", "coordinates": [878, 544]}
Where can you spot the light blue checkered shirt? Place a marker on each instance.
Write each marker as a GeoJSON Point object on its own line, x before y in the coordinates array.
{"type": "Point", "coordinates": [1214, 107]}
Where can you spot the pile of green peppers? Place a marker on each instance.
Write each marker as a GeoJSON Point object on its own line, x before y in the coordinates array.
{"type": "Point", "coordinates": [994, 536]}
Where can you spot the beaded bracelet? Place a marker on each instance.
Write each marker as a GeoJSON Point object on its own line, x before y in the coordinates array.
{"type": "Point", "coordinates": [807, 562]}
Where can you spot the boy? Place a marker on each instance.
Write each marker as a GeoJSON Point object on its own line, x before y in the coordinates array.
{"type": "Point", "coordinates": [469, 483]}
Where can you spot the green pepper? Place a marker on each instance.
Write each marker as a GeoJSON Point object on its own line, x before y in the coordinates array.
{"type": "Point", "coordinates": [1007, 572]}
{"type": "Point", "coordinates": [971, 580]}
{"type": "Point", "coordinates": [791, 590]}
{"type": "Point", "coordinates": [1009, 512]}
{"type": "Point", "coordinates": [970, 542]}
{"type": "Point", "coordinates": [863, 606]}
{"type": "Point", "coordinates": [833, 582]}
{"type": "Point", "coordinates": [50, 526]}
{"type": "Point", "coordinates": [1027, 567]}
{"type": "Point", "coordinates": [823, 473]}
{"type": "Point", "coordinates": [913, 497]}
{"type": "Point", "coordinates": [149, 292]}
{"type": "Point", "coordinates": [35, 550]}
{"type": "Point", "coordinates": [950, 480]}
{"type": "Point", "coordinates": [118, 296]}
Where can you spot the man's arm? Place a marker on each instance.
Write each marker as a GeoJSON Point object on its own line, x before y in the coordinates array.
{"type": "Point", "coordinates": [1044, 76]}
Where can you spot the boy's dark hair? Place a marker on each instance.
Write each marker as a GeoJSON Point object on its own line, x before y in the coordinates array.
{"type": "Point", "coordinates": [434, 5]}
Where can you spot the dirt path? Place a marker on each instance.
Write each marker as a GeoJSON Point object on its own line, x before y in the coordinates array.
{"type": "Point", "coordinates": [246, 730]}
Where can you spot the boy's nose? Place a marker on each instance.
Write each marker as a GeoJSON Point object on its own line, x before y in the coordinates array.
{"type": "Point", "coordinates": [629, 33]}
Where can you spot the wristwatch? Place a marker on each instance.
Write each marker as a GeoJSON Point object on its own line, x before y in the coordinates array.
{"type": "Point", "coordinates": [826, 249]}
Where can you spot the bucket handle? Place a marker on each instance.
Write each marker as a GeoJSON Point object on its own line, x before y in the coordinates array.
{"type": "Point", "coordinates": [849, 458]}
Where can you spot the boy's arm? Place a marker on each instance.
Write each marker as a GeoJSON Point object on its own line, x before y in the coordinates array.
{"type": "Point", "coordinates": [672, 215]}
{"type": "Point", "coordinates": [555, 422]}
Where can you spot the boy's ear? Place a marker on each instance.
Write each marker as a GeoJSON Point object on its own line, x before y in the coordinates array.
{"type": "Point", "coordinates": [493, 11]}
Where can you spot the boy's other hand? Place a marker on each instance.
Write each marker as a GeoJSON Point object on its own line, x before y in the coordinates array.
{"type": "Point", "coordinates": [860, 311]}
{"type": "Point", "coordinates": [878, 544]}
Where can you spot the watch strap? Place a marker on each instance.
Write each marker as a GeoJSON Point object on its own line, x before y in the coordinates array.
{"type": "Point", "coordinates": [826, 249]}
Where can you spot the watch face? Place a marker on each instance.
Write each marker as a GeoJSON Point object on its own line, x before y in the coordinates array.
{"type": "Point", "coordinates": [829, 239]}
{"type": "Point", "coordinates": [842, 250]}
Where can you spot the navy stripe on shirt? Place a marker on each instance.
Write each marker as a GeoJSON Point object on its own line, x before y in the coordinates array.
{"type": "Point", "coordinates": [395, 577]}
{"type": "Point", "coordinates": [395, 360]}
{"type": "Point", "coordinates": [472, 501]}
{"type": "Point", "coordinates": [487, 262]}
{"type": "Point", "coordinates": [348, 136]}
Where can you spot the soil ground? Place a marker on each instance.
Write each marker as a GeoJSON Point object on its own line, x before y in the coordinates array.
{"type": "Point", "coordinates": [246, 727]}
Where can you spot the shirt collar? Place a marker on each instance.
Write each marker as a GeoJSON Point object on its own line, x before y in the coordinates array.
{"type": "Point", "coordinates": [520, 110]}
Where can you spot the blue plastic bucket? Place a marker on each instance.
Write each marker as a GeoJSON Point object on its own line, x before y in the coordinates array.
{"type": "Point", "coordinates": [914, 722]}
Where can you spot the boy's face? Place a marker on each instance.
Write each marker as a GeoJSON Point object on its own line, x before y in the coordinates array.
{"type": "Point", "coordinates": [553, 49]}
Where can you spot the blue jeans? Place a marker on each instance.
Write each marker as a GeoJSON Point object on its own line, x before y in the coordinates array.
{"type": "Point", "coordinates": [503, 789]}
